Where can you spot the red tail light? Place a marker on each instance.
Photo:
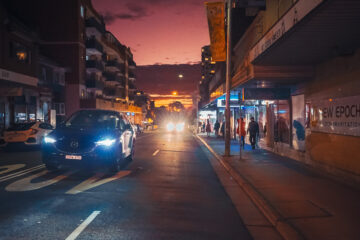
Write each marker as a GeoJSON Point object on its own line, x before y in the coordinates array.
{"type": "Point", "coordinates": [33, 131]}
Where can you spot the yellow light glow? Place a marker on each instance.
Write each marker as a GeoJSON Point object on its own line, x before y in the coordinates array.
{"type": "Point", "coordinates": [21, 55]}
{"type": "Point", "coordinates": [202, 77]}
{"type": "Point", "coordinates": [174, 93]}
{"type": "Point", "coordinates": [212, 71]}
{"type": "Point", "coordinates": [206, 59]}
{"type": "Point", "coordinates": [213, 62]}
{"type": "Point", "coordinates": [181, 76]}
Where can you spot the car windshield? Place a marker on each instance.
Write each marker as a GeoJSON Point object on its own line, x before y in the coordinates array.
{"type": "Point", "coordinates": [93, 119]}
{"type": "Point", "coordinates": [21, 126]}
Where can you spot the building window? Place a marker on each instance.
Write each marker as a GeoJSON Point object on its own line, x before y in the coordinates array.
{"type": "Point", "coordinates": [20, 52]}
{"type": "Point", "coordinates": [61, 79]}
{"type": "Point", "coordinates": [82, 11]}
{"type": "Point", "coordinates": [59, 108]}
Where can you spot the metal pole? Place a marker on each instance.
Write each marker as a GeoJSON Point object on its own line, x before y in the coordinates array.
{"type": "Point", "coordinates": [228, 79]}
{"type": "Point", "coordinates": [240, 125]}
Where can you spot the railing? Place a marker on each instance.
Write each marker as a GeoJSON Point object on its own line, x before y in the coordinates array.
{"type": "Point", "coordinates": [115, 64]}
{"type": "Point", "coordinates": [95, 64]}
{"type": "Point", "coordinates": [92, 43]}
{"type": "Point", "coordinates": [92, 22]}
{"type": "Point", "coordinates": [92, 82]}
{"type": "Point", "coordinates": [113, 77]}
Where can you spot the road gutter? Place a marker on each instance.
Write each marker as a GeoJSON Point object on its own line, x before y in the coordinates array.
{"type": "Point", "coordinates": [285, 229]}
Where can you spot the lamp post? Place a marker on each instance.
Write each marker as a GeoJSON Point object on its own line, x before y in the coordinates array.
{"type": "Point", "coordinates": [228, 78]}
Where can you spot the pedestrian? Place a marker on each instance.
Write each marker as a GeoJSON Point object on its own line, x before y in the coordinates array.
{"type": "Point", "coordinates": [253, 130]}
{"type": "Point", "coordinates": [241, 131]}
{"type": "Point", "coordinates": [203, 127]}
{"type": "Point", "coordinates": [222, 129]}
{"type": "Point", "coordinates": [216, 128]}
{"type": "Point", "coordinates": [208, 128]}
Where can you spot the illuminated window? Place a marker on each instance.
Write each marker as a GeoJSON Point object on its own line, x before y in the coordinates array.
{"type": "Point", "coordinates": [19, 52]}
{"type": "Point", "coordinates": [82, 11]}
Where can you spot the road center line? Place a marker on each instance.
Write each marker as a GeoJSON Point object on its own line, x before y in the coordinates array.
{"type": "Point", "coordinates": [82, 226]}
{"type": "Point", "coordinates": [156, 152]}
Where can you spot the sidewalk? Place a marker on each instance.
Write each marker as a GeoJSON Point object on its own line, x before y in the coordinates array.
{"type": "Point", "coordinates": [313, 205]}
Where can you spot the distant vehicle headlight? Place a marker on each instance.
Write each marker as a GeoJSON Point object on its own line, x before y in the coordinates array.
{"type": "Point", "coordinates": [170, 127]}
{"type": "Point", "coordinates": [49, 140]}
{"type": "Point", "coordinates": [106, 142]}
{"type": "Point", "coordinates": [180, 127]}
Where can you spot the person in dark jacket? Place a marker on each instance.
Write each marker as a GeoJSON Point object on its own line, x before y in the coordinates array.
{"type": "Point", "coordinates": [253, 130]}
{"type": "Point", "coordinates": [216, 128]}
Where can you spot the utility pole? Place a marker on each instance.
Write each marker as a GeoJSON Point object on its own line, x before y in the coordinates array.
{"type": "Point", "coordinates": [228, 78]}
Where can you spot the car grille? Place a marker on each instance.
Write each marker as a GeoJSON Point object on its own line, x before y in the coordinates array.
{"type": "Point", "coordinates": [74, 145]}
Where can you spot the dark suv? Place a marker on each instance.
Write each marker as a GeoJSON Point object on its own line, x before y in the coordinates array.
{"type": "Point", "coordinates": [90, 139]}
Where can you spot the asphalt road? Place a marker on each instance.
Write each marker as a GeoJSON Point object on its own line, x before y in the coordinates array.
{"type": "Point", "coordinates": [169, 191]}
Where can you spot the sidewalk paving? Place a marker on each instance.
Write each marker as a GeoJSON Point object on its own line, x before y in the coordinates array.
{"type": "Point", "coordinates": [315, 206]}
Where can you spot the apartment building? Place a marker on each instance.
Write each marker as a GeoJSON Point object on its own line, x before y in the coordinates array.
{"type": "Point", "coordinates": [100, 69]}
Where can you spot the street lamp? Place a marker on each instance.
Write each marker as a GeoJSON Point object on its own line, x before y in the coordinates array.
{"type": "Point", "coordinates": [174, 93]}
{"type": "Point", "coordinates": [181, 76]}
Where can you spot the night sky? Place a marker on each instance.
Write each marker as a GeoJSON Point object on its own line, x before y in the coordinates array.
{"type": "Point", "coordinates": [165, 37]}
{"type": "Point", "coordinates": [158, 31]}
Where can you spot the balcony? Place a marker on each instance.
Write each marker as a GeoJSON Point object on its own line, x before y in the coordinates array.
{"type": "Point", "coordinates": [113, 92]}
{"type": "Point", "coordinates": [115, 66]}
{"type": "Point", "coordinates": [93, 47]}
{"type": "Point", "coordinates": [94, 27]}
{"type": "Point", "coordinates": [132, 76]}
{"type": "Point", "coordinates": [114, 77]}
{"type": "Point", "coordinates": [92, 82]}
{"type": "Point", "coordinates": [93, 66]}
{"type": "Point", "coordinates": [132, 64]}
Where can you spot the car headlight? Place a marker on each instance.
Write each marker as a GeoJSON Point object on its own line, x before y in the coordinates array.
{"type": "Point", "coordinates": [180, 127]}
{"type": "Point", "coordinates": [170, 127]}
{"type": "Point", "coordinates": [49, 140]}
{"type": "Point", "coordinates": [106, 142]}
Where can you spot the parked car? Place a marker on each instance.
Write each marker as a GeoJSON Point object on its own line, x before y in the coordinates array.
{"type": "Point", "coordinates": [90, 139]}
{"type": "Point", "coordinates": [28, 134]}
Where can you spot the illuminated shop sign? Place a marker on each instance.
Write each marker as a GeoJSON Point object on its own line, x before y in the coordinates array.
{"type": "Point", "coordinates": [339, 116]}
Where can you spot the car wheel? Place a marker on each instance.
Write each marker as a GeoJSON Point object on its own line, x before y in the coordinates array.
{"type": "Point", "coordinates": [131, 156]}
{"type": "Point", "coordinates": [116, 165]}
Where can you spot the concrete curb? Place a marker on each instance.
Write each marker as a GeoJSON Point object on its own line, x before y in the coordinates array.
{"type": "Point", "coordinates": [286, 230]}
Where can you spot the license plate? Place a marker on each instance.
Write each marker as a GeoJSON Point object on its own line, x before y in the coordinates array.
{"type": "Point", "coordinates": [73, 157]}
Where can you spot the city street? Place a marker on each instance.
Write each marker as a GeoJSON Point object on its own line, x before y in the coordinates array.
{"type": "Point", "coordinates": [169, 191]}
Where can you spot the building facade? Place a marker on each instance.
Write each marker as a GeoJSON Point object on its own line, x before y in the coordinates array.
{"type": "Point", "coordinates": [98, 67]}
{"type": "Point", "coordinates": [296, 70]}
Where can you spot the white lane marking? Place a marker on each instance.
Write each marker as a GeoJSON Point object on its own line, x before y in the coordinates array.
{"type": "Point", "coordinates": [156, 152]}
{"type": "Point", "coordinates": [10, 168]}
{"type": "Point", "coordinates": [25, 184]}
{"type": "Point", "coordinates": [21, 173]}
{"type": "Point", "coordinates": [82, 226]}
{"type": "Point", "coordinates": [96, 181]}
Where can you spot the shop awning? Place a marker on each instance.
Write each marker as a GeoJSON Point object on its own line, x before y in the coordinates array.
{"type": "Point", "coordinates": [11, 92]}
{"type": "Point", "coordinates": [330, 29]}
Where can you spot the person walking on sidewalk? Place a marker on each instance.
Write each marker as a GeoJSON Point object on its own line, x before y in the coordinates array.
{"type": "Point", "coordinates": [241, 131]}
{"type": "Point", "coordinates": [208, 128]}
{"type": "Point", "coordinates": [253, 130]}
{"type": "Point", "coordinates": [216, 128]}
